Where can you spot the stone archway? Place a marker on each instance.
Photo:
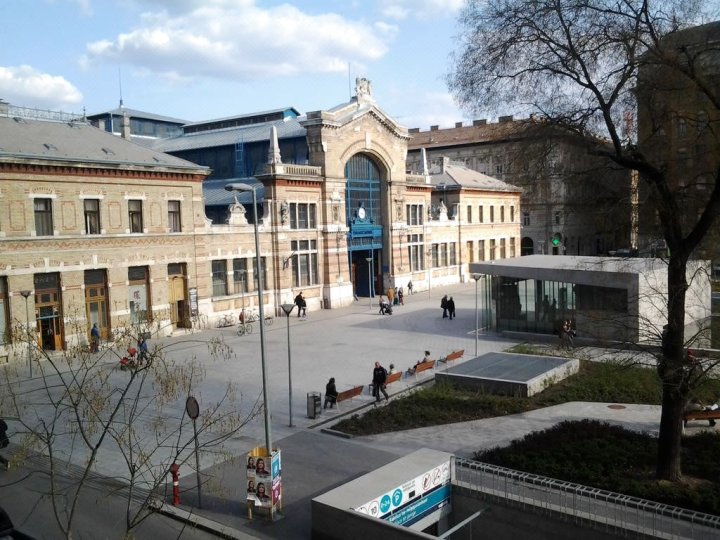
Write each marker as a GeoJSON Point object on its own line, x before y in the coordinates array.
{"type": "Point", "coordinates": [527, 246]}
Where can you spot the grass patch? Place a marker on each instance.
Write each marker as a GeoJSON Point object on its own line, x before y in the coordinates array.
{"type": "Point", "coordinates": [610, 457]}
{"type": "Point", "coordinates": [443, 404]}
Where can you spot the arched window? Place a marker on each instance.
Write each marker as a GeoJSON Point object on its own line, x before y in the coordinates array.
{"type": "Point", "coordinates": [362, 190]}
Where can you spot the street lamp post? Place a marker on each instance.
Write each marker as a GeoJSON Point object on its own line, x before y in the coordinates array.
{"type": "Point", "coordinates": [241, 187]}
{"type": "Point", "coordinates": [369, 261]}
{"type": "Point", "coordinates": [287, 309]}
{"type": "Point", "coordinates": [26, 295]}
{"type": "Point", "coordinates": [476, 277]}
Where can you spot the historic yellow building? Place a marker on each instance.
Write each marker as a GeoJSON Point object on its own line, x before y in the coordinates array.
{"type": "Point", "coordinates": [95, 229]}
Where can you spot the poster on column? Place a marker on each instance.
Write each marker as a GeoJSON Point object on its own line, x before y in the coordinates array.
{"type": "Point", "coordinates": [261, 482]}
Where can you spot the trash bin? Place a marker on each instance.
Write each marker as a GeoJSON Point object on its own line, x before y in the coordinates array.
{"type": "Point", "coordinates": [313, 404]}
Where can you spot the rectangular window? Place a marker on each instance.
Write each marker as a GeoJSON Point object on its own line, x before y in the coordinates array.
{"type": "Point", "coordinates": [481, 219]}
{"type": "Point", "coordinates": [498, 170]}
{"type": "Point", "coordinates": [512, 247]}
{"type": "Point", "coordinates": [255, 272]}
{"type": "Point", "coordinates": [492, 214]}
{"type": "Point", "coordinates": [526, 218]}
{"type": "Point", "coordinates": [174, 223]}
{"type": "Point", "coordinates": [43, 217]}
{"type": "Point", "coordinates": [557, 218]}
{"type": "Point", "coordinates": [135, 214]}
{"type": "Point", "coordinates": [502, 248]}
{"type": "Point", "coordinates": [92, 216]}
{"type": "Point", "coordinates": [452, 255]}
{"type": "Point", "coordinates": [302, 216]}
{"type": "Point", "coordinates": [502, 214]}
{"type": "Point", "coordinates": [139, 294]}
{"type": "Point", "coordinates": [414, 214]}
{"type": "Point", "coordinates": [512, 214]}
{"type": "Point", "coordinates": [305, 262]}
{"type": "Point", "coordinates": [240, 277]}
{"type": "Point", "coordinates": [416, 254]}
{"type": "Point", "coordinates": [481, 250]}
{"type": "Point", "coordinates": [219, 278]}
{"type": "Point", "coordinates": [469, 249]}
{"type": "Point", "coordinates": [492, 249]}
{"type": "Point", "coordinates": [4, 312]}
{"type": "Point", "coordinates": [434, 256]}
{"type": "Point", "coordinates": [469, 214]}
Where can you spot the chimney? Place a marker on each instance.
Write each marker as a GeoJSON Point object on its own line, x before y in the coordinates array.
{"type": "Point", "coordinates": [458, 124]}
{"type": "Point", "coordinates": [125, 127]}
{"type": "Point", "coordinates": [505, 119]}
{"type": "Point", "coordinates": [479, 122]}
{"type": "Point", "coordinates": [434, 128]}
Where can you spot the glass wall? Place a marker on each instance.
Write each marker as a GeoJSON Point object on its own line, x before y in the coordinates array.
{"type": "Point", "coordinates": [528, 305]}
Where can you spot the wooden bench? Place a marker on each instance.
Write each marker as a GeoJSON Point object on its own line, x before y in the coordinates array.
{"type": "Point", "coordinates": [455, 355]}
{"type": "Point", "coordinates": [348, 394]}
{"type": "Point", "coordinates": [393, 377]}
{"type": "Point", "coordinates": [423, 366]}
{"type": "Point", "coordinates": [710, 416]}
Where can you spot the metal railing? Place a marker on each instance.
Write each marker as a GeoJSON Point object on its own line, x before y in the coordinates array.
{"type": "Point", "coordinates": [604, 509]}
{"type": "Point", "coordinates": [14, 111]}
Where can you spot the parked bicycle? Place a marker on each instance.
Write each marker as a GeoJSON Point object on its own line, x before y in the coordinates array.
{"type": "Point", "coordinates": [244, 328]}
{"type": "Point", "coordinates": [226, 320]}
{"type": "Point", "coordinates": [251, 316]}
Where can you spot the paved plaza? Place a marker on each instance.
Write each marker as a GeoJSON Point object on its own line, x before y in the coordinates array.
{"type": "Point", "coordinates": [343, 344]}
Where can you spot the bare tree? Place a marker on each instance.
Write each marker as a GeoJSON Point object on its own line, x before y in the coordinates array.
{"type": "Point", "coordinates": [579, 65]}
{"type": "Point", "coordinates": [82, 410]}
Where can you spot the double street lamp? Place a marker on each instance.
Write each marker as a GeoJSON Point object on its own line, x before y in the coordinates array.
{"type": "Point", "coordinates": [287, 309]}
{"type": "Point", "coordinates": [26, 295]}
{"type": "Point", "coordinates": [476, 277]}
{"type": "Point", "coordinates": [369, 261]}
{"type": "Point", "coordinates": [242, 187]}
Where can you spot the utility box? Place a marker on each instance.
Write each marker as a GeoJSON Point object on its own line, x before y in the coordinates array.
{"type": "Point", "coordinates": [313, 404]}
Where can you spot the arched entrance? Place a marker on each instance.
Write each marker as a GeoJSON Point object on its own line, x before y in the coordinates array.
{"type": "Point", "coordinates": [364, 211]}
{"type": "Point", "coordinates": [527, 246]}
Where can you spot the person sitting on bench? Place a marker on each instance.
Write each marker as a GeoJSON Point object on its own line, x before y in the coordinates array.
{"type": "Point", "coordinates": [331, 393]}
{"type": "Point", "coordinates": [426, 358]}
{"type": "Point", "coordinates": [695, 405]}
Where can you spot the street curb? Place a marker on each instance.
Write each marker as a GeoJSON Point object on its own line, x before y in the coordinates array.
{"type": "Point", "coordinates": [199, 522]}
{"type": "Point", "coordinates": [336, 433]}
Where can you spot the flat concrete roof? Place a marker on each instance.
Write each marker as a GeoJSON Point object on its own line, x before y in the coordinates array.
{"type": "Point", "coordinates": [599, 271]}
{"type": "Point", "coordinates": [507, 367]}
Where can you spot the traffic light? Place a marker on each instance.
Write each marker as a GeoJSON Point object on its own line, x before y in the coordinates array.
{"type": "Point", "coordinates": [556, 239]}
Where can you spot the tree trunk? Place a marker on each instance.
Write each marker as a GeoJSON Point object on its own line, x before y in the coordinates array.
{"type": "Point", "coordinates": [673, 373]}
{"type": "Point", "coordinates": [669, 466]}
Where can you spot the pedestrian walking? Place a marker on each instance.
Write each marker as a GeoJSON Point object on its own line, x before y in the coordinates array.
{"type": "Point", "coordinates": [378, 381]}
{"type": "Point", "coordinates": [391, 295]}
{"type": "Point", "coordinates": [444, 306]}
{"type": "Point", "coordinates": [451, 308]}
{"type": "Point", "coordinates": [94, 338]}
{"type": "Point", "coordinates": [410, 290]}
{"type": "Point", "coordinates": [401, 296]}
{"type": "Point", "coordinates": [301, 304]}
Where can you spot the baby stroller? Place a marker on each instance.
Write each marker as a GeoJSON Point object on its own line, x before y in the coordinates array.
{"type": "Point", "coordinates": [131, 360]}
{"type": "Point", "coordinates": [385, 309]}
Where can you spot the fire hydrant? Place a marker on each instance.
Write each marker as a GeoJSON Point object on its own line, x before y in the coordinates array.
{"type": "Point", "coordinates": [175, 471]}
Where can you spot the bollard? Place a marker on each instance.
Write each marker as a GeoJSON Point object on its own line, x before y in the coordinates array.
{"type": "Point", "coordinates": [175, 471]}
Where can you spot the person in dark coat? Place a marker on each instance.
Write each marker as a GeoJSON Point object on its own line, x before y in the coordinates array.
{"type": "Point", "coordinates": [331, 393]}
{"type": "Point", "coordinates": [378, 381]}
{"type": "Point", "coordinates": [444, 306]}
{"type": "Point", "coordinates": [451, 308]}
{"type": "Point", "coordinates": [301, 304]}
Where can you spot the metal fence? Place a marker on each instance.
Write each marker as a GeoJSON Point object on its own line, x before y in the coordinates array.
{"type": "Point", "coordinates": [582, 504]}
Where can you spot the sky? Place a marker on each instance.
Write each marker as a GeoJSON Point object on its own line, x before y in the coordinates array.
{"type": "Point", "coordinates": [203, 59]}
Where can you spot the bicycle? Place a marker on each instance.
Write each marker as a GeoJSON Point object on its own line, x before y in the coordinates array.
{"type": "Point", "coordinates": [244, 328]}
{"type": "Point", "coordinates": [226, 320]}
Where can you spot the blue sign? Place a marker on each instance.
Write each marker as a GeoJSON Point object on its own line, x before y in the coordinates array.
{"type": "Point", "coordinates": [385, 504]}
{"type": "Point", "coordinates": [397, 497]}
{"type": "Point", "coordinates": [415, 510]}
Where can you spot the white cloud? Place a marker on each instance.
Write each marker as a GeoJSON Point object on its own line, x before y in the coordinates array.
{"type": "Point", "coordinates": [24, 85]}
{"type": "Point", "coordinates": [421, 9]}
{"type": "Point", "coordinates": [430, 109]}
{"type": "Point", "coordinates": [231, 39]}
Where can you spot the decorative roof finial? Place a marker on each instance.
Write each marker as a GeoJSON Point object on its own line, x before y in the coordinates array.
{"type": "Point", "coordinates": [274, 157]}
